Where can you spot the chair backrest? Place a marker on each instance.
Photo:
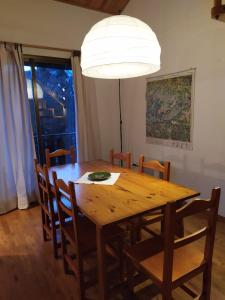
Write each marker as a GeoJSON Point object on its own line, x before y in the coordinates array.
{"type": "Point", "coordinates": [66, 192]}
{"type": "Point", "coordinates": [58, 153]}
{"type": "Point", "coordinates": [172, 216]}
{"type": "Point", "coordinates": [155, 165]}
{"type": "Point", "coordinates": [121, 156]}
{"type": "Point", "coordinates": [44, 186]}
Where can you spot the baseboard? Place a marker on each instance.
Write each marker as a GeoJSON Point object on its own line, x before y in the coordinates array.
{"type": "Point", "coordinates": [221, 218]}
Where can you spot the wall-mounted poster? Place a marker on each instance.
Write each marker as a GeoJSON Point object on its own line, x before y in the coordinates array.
{"type": "Point", "coordinates": [169, 111]}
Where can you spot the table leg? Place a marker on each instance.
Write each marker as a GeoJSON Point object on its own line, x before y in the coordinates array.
{"type": "Point", "coordinates": [102, 284]}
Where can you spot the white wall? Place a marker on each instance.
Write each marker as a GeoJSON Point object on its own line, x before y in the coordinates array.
{"type": "Point", "coordinates": [108, 108]}
{"type": "Point", "coordinates": [54, 24]}
{"type": "Point", "coordinates": [189, 38]}
{"type": "Point", "coordinates": [45, 22]}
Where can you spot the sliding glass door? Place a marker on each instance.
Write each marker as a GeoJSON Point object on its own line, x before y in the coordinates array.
{"type": "Point", "coordinates": [51, 100]}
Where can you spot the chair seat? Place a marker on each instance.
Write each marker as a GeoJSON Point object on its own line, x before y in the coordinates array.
{"type": "Point", "coordinates": [67, 203]}
{"type": "Point", "coordinates": [149, 255]}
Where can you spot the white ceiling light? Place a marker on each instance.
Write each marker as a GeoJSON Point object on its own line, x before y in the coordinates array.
{"type": "Point", "coordinates": [120, 47]}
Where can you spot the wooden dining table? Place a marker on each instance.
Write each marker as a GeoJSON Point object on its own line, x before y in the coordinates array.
{"type": "Point", "coordinates": [133, 195]}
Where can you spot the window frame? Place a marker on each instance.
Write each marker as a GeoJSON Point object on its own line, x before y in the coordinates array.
{"type": "Point", "coordinates": [48, 62]}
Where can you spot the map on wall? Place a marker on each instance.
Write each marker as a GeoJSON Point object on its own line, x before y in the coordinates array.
{"type": "Point", "coordinates": [169, 111]}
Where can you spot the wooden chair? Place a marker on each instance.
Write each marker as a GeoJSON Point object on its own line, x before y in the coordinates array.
{"type": "Point", "coordinates": [163, 170]}
{"type": "Point", "coordinates": [123, 157]}
{"type": "Point", "coordinates": [79, 235]}
{"type": "Point", "coordinates": [60, 152]}
{"type": "Point", "coordinates": [48, 207]}
{"type": "Point", "coordinates": [171, 262]}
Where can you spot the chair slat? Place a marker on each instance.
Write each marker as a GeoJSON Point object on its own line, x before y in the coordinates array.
{"type": "Point", "coordinates": [196, 206]}
{"type": "Point", "coordinates": [43, 187]}
{"type": "Point", "coordinates": [64, 187]}
{"type": "Point", "coordinates": [152, 219]}
{"type": "Point", "coordinates": [190, 291]}
{"type": "Point", "coordinates": [65, 209]}
{"type": "Point", "coordinates": [40, 170]}
{"type": "Point", "coordinates": [191, 238]}
{"type": "Point", "coordinates": [155, 165]}
{"type": "Point", "coordinates": [58, 153]}
{"type": "Point", "coordinates": [121, 156]}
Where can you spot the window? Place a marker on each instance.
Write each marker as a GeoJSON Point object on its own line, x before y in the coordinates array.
{"type": "Point", "coordinates": [51, 101]}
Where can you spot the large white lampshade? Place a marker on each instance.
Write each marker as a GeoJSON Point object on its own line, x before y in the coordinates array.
{"type": "Point", "coordinates": [120, 47]}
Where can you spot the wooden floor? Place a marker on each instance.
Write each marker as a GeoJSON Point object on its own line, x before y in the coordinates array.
{"type": "Point", "coordinates": [29, 271]}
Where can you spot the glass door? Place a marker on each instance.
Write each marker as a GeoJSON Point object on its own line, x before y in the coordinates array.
{"type": "Point", "coordinates": [51, 101]}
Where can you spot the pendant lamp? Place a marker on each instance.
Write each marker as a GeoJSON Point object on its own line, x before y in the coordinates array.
{"type": "Point", "coordinates": [120, 47]}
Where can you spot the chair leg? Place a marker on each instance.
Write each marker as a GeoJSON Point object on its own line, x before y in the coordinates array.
{"type": "Point", "coordinates": [206, 289]}
{"type": "Point", "coordinates": [128, 295]}
{"type": "Point", "coordinates": [136, 231]}
{"type": "Point", "coordinates": [162, 225]}
{"type": "Point", "coordinates": [81, 287]}
{"type": "Point", "coordinates": [130, 274]}
{"type": "Point", "coordinates": [64, 252]}
{"type": "Point", "coordinates": [180, 229]}
{"type": "Point", "coordinates": [180, 224]}
{"type": "Point", "coordinates": [167, 295]}
{"type": "Point", "coordinates": [43, 217]}
{"type": "Point", "coordinates": [121, 258]}
{"type": "Point", "coordinates": [54, 240]}
{"type": "Point", "coordinates": [101, 259]}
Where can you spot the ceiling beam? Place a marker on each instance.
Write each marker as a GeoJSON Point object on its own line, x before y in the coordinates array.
{"type": "Point", "coordinates": [113, 7]}
{"type": "Point", "coordinates": [218, 11]}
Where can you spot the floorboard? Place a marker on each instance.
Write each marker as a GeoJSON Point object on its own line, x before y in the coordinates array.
{"type": "Point", "coordinates": [29, 271]}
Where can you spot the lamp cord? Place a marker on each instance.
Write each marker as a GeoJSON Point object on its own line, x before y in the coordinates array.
{"type": "Point", "coordinates": [121, 121]}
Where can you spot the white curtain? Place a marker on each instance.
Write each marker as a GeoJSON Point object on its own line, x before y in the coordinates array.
{"type": "Point", "coordinates": [87, 124]}
{"type": "Point", "coordinates": [17, 178]}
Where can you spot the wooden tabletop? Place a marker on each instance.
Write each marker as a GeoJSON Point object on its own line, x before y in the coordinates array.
{"type": "Point", "coordinates": [133, 193]}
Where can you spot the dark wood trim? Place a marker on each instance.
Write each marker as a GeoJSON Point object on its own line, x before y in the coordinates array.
{"type": "Point", "coordinates": [74, 52]}
{"type": "Point", "coordinates": [217, 2]}
{"type": "Point", "coordinates": [37, 115]}
{"type": "Point", "coordinates": [99, 9]}
{"type": "Point", "coordinates": [47, 61]}
{"type": "Point", "coordinates": [60, 152]}
{"type": "Point", "coordinates": [123, 157]}
{"type": "Point", "coordinates": [218, 9]}
{"type": "Point", "coordinates": [221, 218]}
{"type": "Point", "coordinates": [71, 2]}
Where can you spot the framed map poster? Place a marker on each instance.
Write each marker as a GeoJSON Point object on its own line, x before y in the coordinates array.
{"type": "Point", "coordinates": [169, 109]}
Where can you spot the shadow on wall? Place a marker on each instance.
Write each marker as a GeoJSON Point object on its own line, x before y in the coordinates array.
{"type": "Point", "coordinates": [199, 175]}
{"type": "Point", "coordinates": [204, 177]}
